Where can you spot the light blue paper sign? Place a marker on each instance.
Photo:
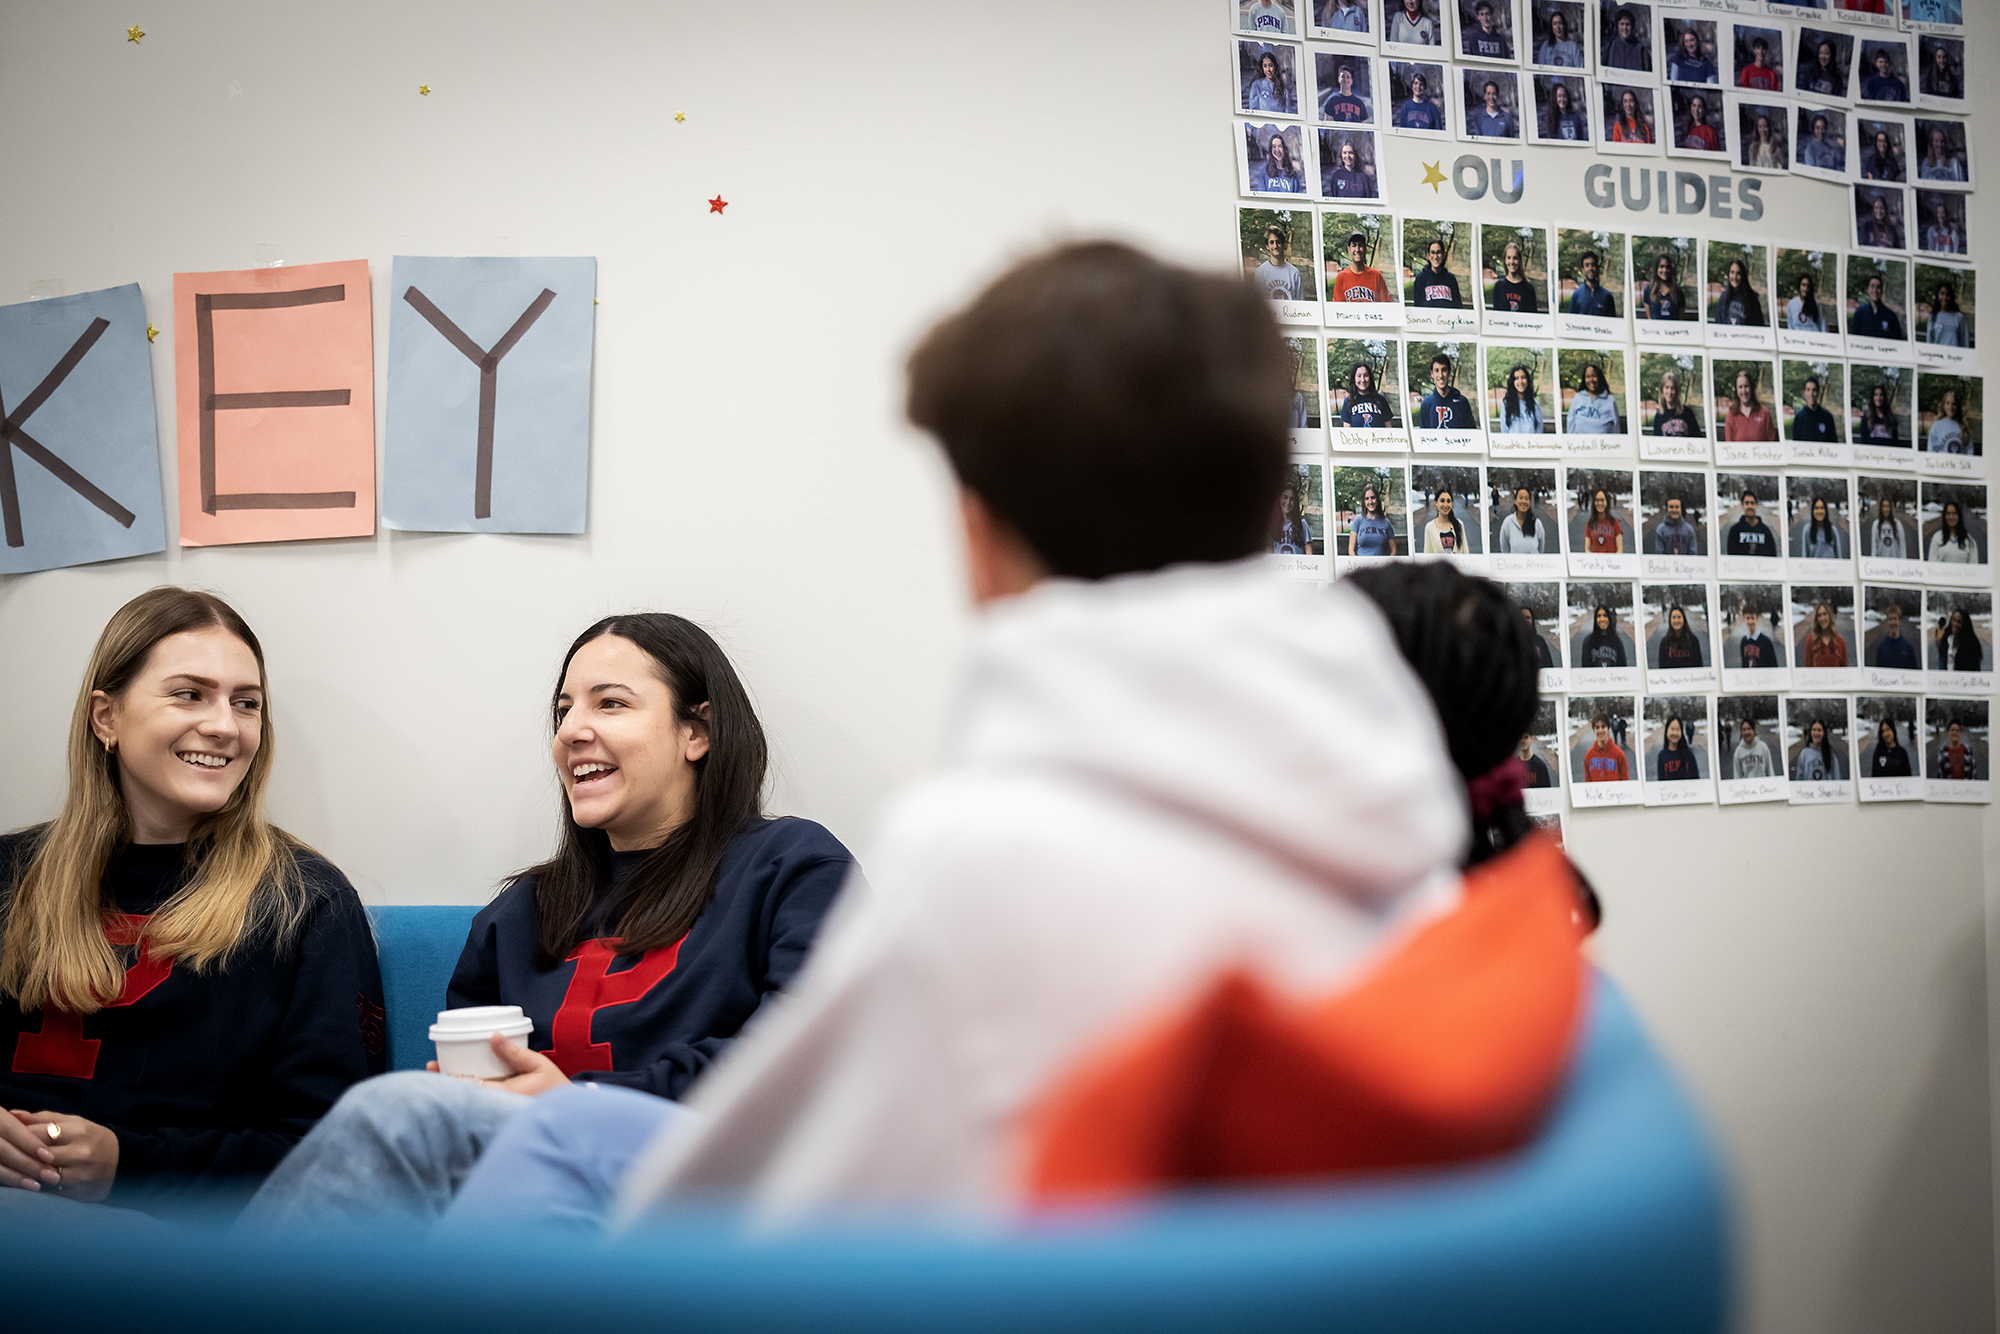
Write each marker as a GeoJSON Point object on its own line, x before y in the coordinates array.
{"type": "Point", "coordinates": [79, 435]}
{"type": "Point", "coordinates": [489, 395]}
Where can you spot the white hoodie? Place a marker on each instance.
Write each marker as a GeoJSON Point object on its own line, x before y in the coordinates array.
{"type": "Point", "coordinates": [1147, 780]}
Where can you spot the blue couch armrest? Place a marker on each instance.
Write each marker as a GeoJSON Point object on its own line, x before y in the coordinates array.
{"type": "Point", "coordinates": [419, 945]}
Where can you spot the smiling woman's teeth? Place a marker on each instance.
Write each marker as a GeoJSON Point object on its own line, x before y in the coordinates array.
{"type": "Point", "coordinates": [205, 761]}
{"type": "Point", "coordinates": [584, 772]}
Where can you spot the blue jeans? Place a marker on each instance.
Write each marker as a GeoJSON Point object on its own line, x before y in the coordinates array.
{"type": "Point", "coordinates": [399, 1149]}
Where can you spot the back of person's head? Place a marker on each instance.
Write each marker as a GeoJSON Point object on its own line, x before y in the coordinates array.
{"type": "Point", "coordinates": [1475, 653]}
{"type": "Point", "coordinates": [1118, 413]}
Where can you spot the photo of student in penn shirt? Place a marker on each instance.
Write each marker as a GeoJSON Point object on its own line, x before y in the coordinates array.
{"type": "Point", "coordinates": [1358, 281]}
{"type": "Point", "coordinates": [1443, 531]}
{"type": "Point", "coordinates": [1605, 761]}
{"type": "Point", "coordinates": [1422, 109]}
{"type": "Point", "coordinates": [1602, 645]}
{"type": "Point", "coordinates": [670, 913]}
{"type": "Point", "coordinates": [1512, 290]}
{"type": "Point", "coordinates": [1753, 648]}
{"type": "Point", "coordinates": [1678, 647]}
{"type": "Point", "coordinates": [1750, 757]}
{"type": "Point", "coordinates": [1675, 416]}
{"type": "Point", "coordinates": [1483, 32]}
{"type": "Point", "coordinates": [1750, 535]}
{"type": "Point", "coordinates": [1675, 761]}
{"type": "Point", "coordinates": [1757, 57]}
{"type": "Point", "coordinates": [1805, 313]}
{"type": "Point", "coordinates": [1337, 99]}
{"type": "Point", "coordinates": [185, 989]}
{"type": "Point", "coordinates": [1364, 408]}
{"type": "Point", "coordinates": [1434, 284]}
{"type": "Point", "coordinates": [1444, 408]}
{"type": "Point", "coordinates": [1589, 296]}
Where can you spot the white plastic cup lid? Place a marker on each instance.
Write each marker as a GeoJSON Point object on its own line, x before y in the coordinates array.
{"type": "Point", "coordinates": [477, 1021]}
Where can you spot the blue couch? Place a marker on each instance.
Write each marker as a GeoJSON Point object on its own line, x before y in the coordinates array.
{"type": "Point", "coordinates": [1614, 1219]}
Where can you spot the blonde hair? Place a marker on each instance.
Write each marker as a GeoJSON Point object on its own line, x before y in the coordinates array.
{"type": "Point", "coordinates": [246, 879]}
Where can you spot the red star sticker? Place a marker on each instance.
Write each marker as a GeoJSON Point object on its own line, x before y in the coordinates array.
{"type": "Point", "coordinates": [717, 204]}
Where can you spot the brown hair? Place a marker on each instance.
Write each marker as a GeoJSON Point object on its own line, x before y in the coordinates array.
{"type": "Point", "coordinates": [245, 881]}
{"type": "Point", "coordinates": [1119, 413]}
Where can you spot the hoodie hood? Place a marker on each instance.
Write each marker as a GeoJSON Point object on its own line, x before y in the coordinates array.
{"type": "Point", "coordinates": [1279, 713]}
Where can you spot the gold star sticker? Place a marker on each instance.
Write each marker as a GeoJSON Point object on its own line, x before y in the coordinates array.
{"type": "Point", "coordinates": [151, 332]}
{"type": "Point", "coordinates": [134, 33]}
{"type": "Point", "coordinates": [423, 90]}
{"type": "Point", "coordinates": [1432, 176]}
{"type": "Point", "coordinates": [680, 116]}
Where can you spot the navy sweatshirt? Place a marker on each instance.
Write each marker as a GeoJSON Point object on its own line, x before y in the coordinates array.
{"type": "Point", "coordinates": [207, 1079]}
{"type": "Point", "coordinates": [655, 1021]}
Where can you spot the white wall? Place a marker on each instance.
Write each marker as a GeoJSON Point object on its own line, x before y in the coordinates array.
{"type": "Point", "coordinates": [1818, 974]}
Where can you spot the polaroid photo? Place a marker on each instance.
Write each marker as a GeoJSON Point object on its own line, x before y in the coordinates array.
{"type": "Point", "coordinates": [1308, 434]}
{"type": "Point", "coordinates": [1628, 112]}
{"type": "Point", "coordinates": [1541, 754]}
{"type": "Point", "coordinates": [1268, 18]}
{"type": "Point", "coordinates": [1888, 763]}
{"type": "Point", "coordinates": [1602, 652]}
{"type": "Point", "coordinates": [1814, 425]}
{"type": "Point", "coordinates": [1958, 641]}
{"type": "Point", "coordinates": [1881, 217]}
{"type": "Point", "coordinates": [1884, 142]}
{"type": "Point", "coordinates": [1799, 9]}
{"type": "Point", "coordinates": [1931, 16]}
{"type": "Point", "coordinates": [1821, 140]}
{"type": "Point", "coordinates": [1877, 302]}
{"type": "Point", "coordinates": [1941, 223]}
{"type": "Point", "coordinates": [1625, 40]}
{"type": "Point", "coordinates": [1551, 827]}
{"type": "Point", "coordinates": [1823, 68]}
{"type": "Point", "coordinates": [1514, 280]}
{"type": "Point", "coordinates": [1888, 543]}
{"type": "Point", "coordinates": [1664, 303]}
{"type": "Point", "coordinates": [1278, 260]}
{"type": "Point", "coordinates": [1680, 652]}
{"type": "Point", "coordinates": [1763, 134]}
{"type": "Point", "coordinates": [1593, 403]}
{"type": "Point", "coordinates": [1757, 62]}
{"type": "Point", "coordinates": [1488, 31]}
{"type": "Point", "coordinates": [1443, 419]}
{"type": "Point", "coordinates": [1882, 69]}
{"type": "Point", "coordinates": [1892, 634]}
{"type": "Point", "coordinates": [1268, 78]}
{"type": "Point", "coordinates": [1746, 545]}
{"type": "Point", "coordinates": [1489, 106]}
{"type": "Point", "coordinates": [1558, 35]}
{"type": "Point", "coordinates": [1819, 757]}
{"type": "Point", "coordinates": [1945, 316]}
{"type": "Point", "coordinates": [1598, 508]}
{"type": "Point", "coordinates": [1672, 407]}
{"type": "Point", "coordinates": [1271, 160]}
{"type": "Point", "coordinates": [1365, 404]}
{"type": "Point", "coordinates": [1878, 414]}
{"type": "Point", "coordinates": [1679, 768]}
{"type": "Point", "coordinates": [1542, 604]}
{"type": "Point", "coordinates": [1562, 110]}
{"type": "Point", "coordinates": [1414, 29]}
{"type": "Point", "coordinates": [1753, 652]}
{"type": "Point", "coordinates": [1347, 165]}
{"type": "Point", "coordinates": [1806, 301]}
{"type": "Point", "coordinates": [1746, 418]}
{"type": "Point", "coordinates": [1445, 522]}
{"type": "Point", "coordinates": [1747, 729]}
{"type": "Point", "coordinates": [1951, 420]}
{"type": "Point", "coordinates": [1519, 400]}
{"type": "Point", "coordinates": [1953, 515]}
{"type": "Point", "coordinates": [1956, 756]}
{"type": "Point", "coordinates": [1866, 13]}
{"type": "Point", "coordinates": [1591, 284]}
{"type": "Point", "coordinates": [1355, 247]}
{"type": "Point", "coordinates": [1944, 158]}
{"type": "Point", "coordinates": [1673, 525]}
{"type": "Point", "coordinates": [1941, 73]}
{"type": "Point", "coordinates": [1371, 514]}
{"type": "Point", "coordinates": [1346, 87]}
{"type": "Point", "coordinates": [1819, 630]}
{"type": "Point", "coordinates": [1819, 532]}
{"type": "Point", "coordinates": [1298, 537]}
{"type": "Point", "coordinates": [1417, 107]}
{"type": "Point", "coordinates": [1691, 44]}
{"type": "Point", "coordinates": [1344, 20]}
{"type": "Point", "coordinates": [1701, 125]}
{"type": "Point", "coordinates": [1737, 295]}
{"type": "Point", "coordinates": [1438, 291]}
{"type": "Point", "coordinates": [1526, 540]}
{"type": "Point", "coordinates": [1603, 767]}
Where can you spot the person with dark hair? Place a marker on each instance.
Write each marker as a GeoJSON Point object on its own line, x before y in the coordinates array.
{"type": "Point", "coordinates": [1564, 119]}
{"type": "Point", "coordinates": [1602, 647]}
{"type": "Point", "coordinates": [1680, 648]}
{"type": "Point", "coordinates": [1802, 312]}
{"type": "Point", "coordinates": [1340, 103]}
{"type": "Point", "coordinates": [1520, 410]}
{"type": "Point", "coordinates": [1738, 304]}
{"type": "Point", "coordinates": [1419, 112]}
{"type": "Point", "coordinates": [1817, 150]}
{"type": "Point", "coordinates": [665, 863]}
{"type": "Point", "coordinates": [1958, 648]}
{"type": "Point", "coordinates": [1444, 534]}
{"type": "Point", "coordinates": [1444, 408]}
{"type": "Point", "coordinates": [1486, 41]}
{"type": "Point", "coordinates": [1701, 136]}
{"type": "Point", "coordinates": [1627, 127]}
{"type": "Point", "coordinates": [1594, 409]}
{"type": "Point", "coordinates": [1883, 160]}
{"type": "Point", "coordinates": [1675, 416]}
{"type": "Point", "coordinates": [1955, 762]}
{"type": "Point", "coordinates": [1878, 229]}
{"type": "Point", "coordinates": [1591, 297]}
{"type": "Point", "coordinates": [1436, 287]}
{"type": "Point", "coordinates": [1891, 760]}
{"type": "Point", "coordinates": [1810, 421]}
{"type": "Point", "coordinates": [1885, 532]}
{"type": "Point", "coordinates": [1603, 534]}
{"type": "Point", "coordinates": [1491, 120]}
{"type": "Point", "coordinates": [1754, 645]}
{"type": "Point", "coordinates": [1891, 649]}
{"type": "Point", "coordinates": [1952, 544]}
{"type": "Point", "coordinates": [1819, 539]}
{"type": "Point", "coordinates": [1941, 234]}
{"type": "Point", "coordinates": [1873, 317]}
{"type": "Point", "coordinates": [1410, 26]}
{"type": "Point", "coordinates": [1560, 48]}
{"type": "Point", "coordinates": [1365, 409]}
{"type": "Point", "coordinates": [1625, 46]}
{"type": "Point", "coordinates": [1674, 535]}
{"type": "Point", "coordinates": [1823, 77]}
{"type": "Point", "coordinates": [1543, 657]}
{"type": "Point", "coordinates": [1884, 85]}
{"type": "Point", "coordinates": [1946, 327]}
{"type": "Point", "coordinates": [1687, 62]}
{"type": "Point", "coordinates": [1676, 762]}
{"type": "Point", "coordinates": [1538, 772]}
{"type": "Point", "coordinates": [1816, 761]}
{"type": "Point", "coordinates": [1760, 73]}
{"type": "Point", "coordinates": [1346, 178]}
{"type": "Point", "coordinates": [1750, 535]}
{"type": "Point", "coordinates": [1520, 534]}
{"type": "Point", "coordinates": [1277, 277]}
{"type": "Point", "coordinates": [1939, 78]}
{"type": "Point", "coordinates": [1270, 90]}
{"type": "Point", "coordinates": [1292, 536]}
{"type": "Point", "coordinates": [1878, 425]}
{"type": "Point", "coordinates": [1662, 298]}
{"type": "Point", "coordinates": [1751, 758]}
{"type": "Point", "coordinates": [1279, 171]}
{"type": "Point", "coordinates": [1605, 761]}
{"type": "Point", "coordinates": [1359, 281]}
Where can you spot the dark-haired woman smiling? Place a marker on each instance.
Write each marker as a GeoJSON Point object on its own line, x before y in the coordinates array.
{"type": "Point", "coordinates": [671, 909]}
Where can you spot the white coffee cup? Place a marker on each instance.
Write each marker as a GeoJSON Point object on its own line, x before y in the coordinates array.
{"type": "Point", "coordinates": [461, 1037]}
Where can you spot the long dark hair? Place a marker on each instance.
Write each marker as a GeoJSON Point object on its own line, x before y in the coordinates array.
{"type": "Point", "coordinates": [1971, 655]}
{"type": "Point", "coordinates": [1684, 635]}
{"type": "Point", "coordinates": [1512, 405]}
{"type": "Point", "coordinates": [1526, 521]}
{"type": "Point", "coordinates": [1952, 531]}
{"type": "Point", "coordinates": [1606, 633]}
{"type": "Point", "coordinates": [1667, 742]}
{"type": "Point", "coordinates": [1819, 529]}
{"type": "Point", "coordinates": [672, 883]}
{"type": "Point", "coordinates": [1825, 746]}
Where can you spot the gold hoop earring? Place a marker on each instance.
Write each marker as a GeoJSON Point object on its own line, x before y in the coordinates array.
{"type": "Point", "coordinates": [110, 747]}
